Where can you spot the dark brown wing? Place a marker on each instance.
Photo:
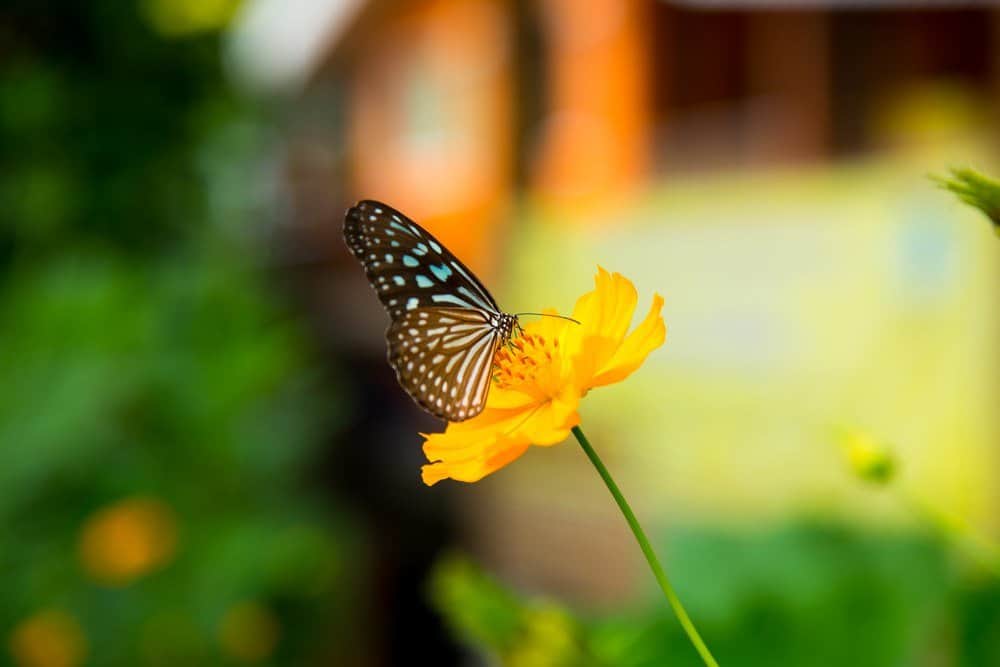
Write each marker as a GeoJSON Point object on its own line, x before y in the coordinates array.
{"type": "Point", "coordinates": [407, 266]}
{"type": "Point", "coordinates": [443, 358]}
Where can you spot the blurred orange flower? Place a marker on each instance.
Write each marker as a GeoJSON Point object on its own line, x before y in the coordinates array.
{"type": "Point", "coordinates": [541, 377]}
{"type": "Point", "coordinates": [128, 540]}
{"type": "Point", "coordinates": [249, 632]}
{"type": "Point", "coordinates": [50, 638]}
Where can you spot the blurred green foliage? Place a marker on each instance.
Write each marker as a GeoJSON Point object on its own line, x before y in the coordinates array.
{"type": "Point", "coordinates": [143, 357]}
{"type": "Point", "coordinates": [104, 124]}
{"type": "Point", "coordinates": [979, 622]}
{"type": "Point", "coordinates": [522, 632]}
{"type": "Point", "coordinates": [804, 594]}
{"type": "Point", "coordinates": [180, 382]}
{"type": "Point", "coordinates": [976, 190]}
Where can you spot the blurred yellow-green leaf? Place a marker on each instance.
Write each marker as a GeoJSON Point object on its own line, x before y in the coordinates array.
{"type": "Point", "coordinates": [976, 190]}
{"type": "Point", "coordinates": [788, 594]}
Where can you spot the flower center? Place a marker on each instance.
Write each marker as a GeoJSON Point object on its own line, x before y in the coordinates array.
{"type": "Point", "coordinates": [524, 360]}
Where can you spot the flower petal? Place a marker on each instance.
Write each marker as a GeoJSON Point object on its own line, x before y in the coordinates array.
{"type": "Point", "coordinates": [607, 311]}
{"type": "Point", "coordinates": [465, 459]}
{"type": "Point", "coordinates": [551, 422]}
{"type": "Point", "coordinates": [604, 315]}
{"type": "Point", "coordinates": [508, 399]}
{"type": "Point", "coordinates": [472, 470]}
{"type": "Point", "coordinates": [645, 338]}
{"type": "Point", "coordinates": [488, 419]}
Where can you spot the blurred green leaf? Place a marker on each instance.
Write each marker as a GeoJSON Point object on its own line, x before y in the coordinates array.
{"type": "Point", "coordinates": [175, 379]}
{"type": "Point", "coordinates": [979, 622]}
{"type": "Point", "coordinates": [793, 593]}
{"type": "Point", "coordinates": [479, 609]}
{"type": "Point", "coordinates": [976, 190]}
{"type": "Point", "coordinates": [804, 594]}
{"type": "Point", "coordinates": [143, 354]}
{"type": "Point", "coordinates": [521, 632]}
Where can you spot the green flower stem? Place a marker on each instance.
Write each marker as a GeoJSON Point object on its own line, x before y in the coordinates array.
{"type": "Point", "coordinates": [647, 550]}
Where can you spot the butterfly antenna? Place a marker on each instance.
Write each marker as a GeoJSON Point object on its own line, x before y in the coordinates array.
{"type": "Point", "coordinates": [561, 317]}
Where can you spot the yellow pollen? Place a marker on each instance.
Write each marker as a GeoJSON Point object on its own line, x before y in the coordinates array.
{"type": "Point", "coordinates": [521, 362]}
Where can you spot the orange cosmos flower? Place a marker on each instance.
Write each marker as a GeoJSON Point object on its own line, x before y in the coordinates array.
{"type": "Point", "coordinates": [127, 540]}
{"type": "Point", "coordinates": [540, 378]}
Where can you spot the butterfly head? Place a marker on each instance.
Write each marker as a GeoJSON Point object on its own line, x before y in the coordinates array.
{"type": "Point", "coordinates": [506, 324]}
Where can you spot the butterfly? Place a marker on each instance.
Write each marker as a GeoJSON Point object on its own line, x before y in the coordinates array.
{"type": "Point", "coordinates": [446, 327]}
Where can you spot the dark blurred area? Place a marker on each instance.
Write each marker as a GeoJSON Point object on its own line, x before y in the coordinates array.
{"type": "Point", "coordinates": [204, 458]}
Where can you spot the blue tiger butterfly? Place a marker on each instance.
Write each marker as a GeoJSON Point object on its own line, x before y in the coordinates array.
{"type": "Point", "coordinates": [446, 327]}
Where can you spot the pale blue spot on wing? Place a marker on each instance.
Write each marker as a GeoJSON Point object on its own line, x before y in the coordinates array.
{"type": "Point", "coordinates": [412, 303]}
{"type": "Point", "coordinates": [483, 298]}
{"type": "Point", "coordinates": [410, 261]}
{"type": "Point", "coordinates": [399, 280]}
{"type": "Point", "coordinates": [475, 298]}
{"type": "Point", "coordinates": [388, 257]}
{"type": "Point", "coordinates": [420, 249]}
{"type": "Point", "coordinates": [394, 244]}
{"type": "Point", "coordinates": [435, 247]}
{"type": "Point", "coordinates": [440, 271]}
{"type": "Point", "coordinates": [424, 281]}
{"type": "Point", "coordinates": [399, 227]}
{"type": "Point", "coordinates": [450, 298]}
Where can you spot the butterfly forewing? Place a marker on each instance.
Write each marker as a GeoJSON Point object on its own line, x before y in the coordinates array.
{"type": "Point", "coordinates": [443, 358]}
{"type": "Point", "coordinates": [407, 266]}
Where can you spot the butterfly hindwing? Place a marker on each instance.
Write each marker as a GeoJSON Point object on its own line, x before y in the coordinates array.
{"type": "Point", "coordinates": [407, 266]}
{"type": "Point", "coordinates": [443, 357]}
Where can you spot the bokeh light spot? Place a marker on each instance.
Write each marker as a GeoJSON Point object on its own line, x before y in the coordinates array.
{"type": "Point", "coordinates": [50, 638]}
{"type": "Point", "coordinates": [127, 540]}
{"type": "Point", "coordinates": [175, 18]}
{"type": "Point", "coordinates": [249, 632]}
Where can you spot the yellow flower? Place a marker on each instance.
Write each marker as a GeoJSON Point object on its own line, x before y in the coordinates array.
{"type": "Point", "coordinates": [541, 377]}
{"type": "Point", "coordinates": [868, 459]}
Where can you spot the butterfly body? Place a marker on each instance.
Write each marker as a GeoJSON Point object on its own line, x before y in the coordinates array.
{"type": "Point", "coordinates": [446, 327]}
